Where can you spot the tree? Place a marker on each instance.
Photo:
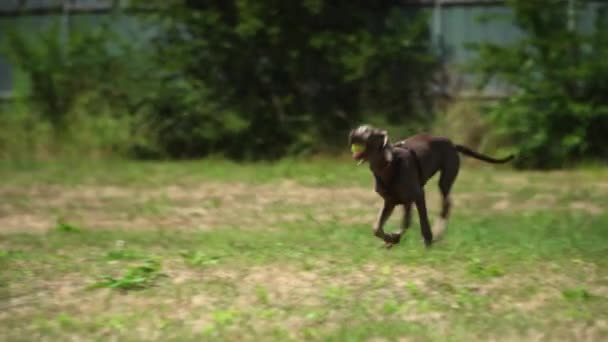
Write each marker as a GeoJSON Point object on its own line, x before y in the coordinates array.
{"type": "Point", "coordinates": [284, 76]}
{"type": "Point", "coordinates": [559, 112]}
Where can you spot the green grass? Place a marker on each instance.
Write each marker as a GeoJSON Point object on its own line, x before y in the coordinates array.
{"type": "Point", "coordinates": [318, 172]}
{"type": "Point", "coordinates": [524, 256]}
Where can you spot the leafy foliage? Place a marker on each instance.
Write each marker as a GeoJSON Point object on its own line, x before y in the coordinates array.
{"type": "Point", "coordinates": [62, 68]}
{"type": "Point", "coordinates": [266, 78]}
{"type": "Point", "coordinates": [558, 112]}
{"type": "Point", "coordinates": [181, 120]}
{"type": "Point", "coordinates": [246, 79]}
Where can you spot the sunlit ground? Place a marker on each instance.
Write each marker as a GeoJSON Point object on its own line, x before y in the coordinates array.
{"type": "Point", "coordinates": [220, 251]}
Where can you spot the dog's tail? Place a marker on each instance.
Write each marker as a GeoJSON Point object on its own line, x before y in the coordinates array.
{"type": "Point", "coordinates": [469, 152]}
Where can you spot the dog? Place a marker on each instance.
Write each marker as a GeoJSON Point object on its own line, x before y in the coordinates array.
{"type": "Point", "coordinates": [401, 171]}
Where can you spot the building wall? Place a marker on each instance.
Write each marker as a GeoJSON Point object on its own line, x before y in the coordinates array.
{"type": "Point", "coordinates": [454, 24]}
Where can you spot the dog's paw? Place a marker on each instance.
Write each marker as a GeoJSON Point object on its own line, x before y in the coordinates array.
{"type": "Point", "coordinates": [392, 239]}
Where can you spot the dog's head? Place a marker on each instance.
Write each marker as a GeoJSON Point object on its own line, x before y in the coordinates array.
{"type": "Point", "coordinates": [369, 143]}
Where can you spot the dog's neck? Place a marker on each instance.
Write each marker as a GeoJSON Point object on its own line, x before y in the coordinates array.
{"type": "Point", "coordinates": [380, 164]}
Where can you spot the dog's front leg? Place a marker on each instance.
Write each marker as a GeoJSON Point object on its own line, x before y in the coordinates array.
{"type": "Point", "coordinates": [407, 217]}
{"type": "Point", "coordinates": [395, 238]}
{"type": "Point", "coordinates": [425, 227]}
{"type": "Point", "coordinates": [383, 215]}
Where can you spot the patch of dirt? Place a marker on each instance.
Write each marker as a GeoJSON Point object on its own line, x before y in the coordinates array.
{"type": "Point", "coordinates": [205, 206]}
{"type": "Point", "coordinates": [282, 284]}
{"type": "Point", "coordinates": [25, 222]}
{"type": "Point", "coordinates": [290, 291]}
{"type": "Point", "coordinates": [587, 207]}
{"type": "Point", "coordinates": [502, 201]}
{"type": "Point", "coordinates": [501, 205]}
{"type": "Point", "coordinates": [513, 180]}
{"type": "Point", "coordinates": [219, 205]}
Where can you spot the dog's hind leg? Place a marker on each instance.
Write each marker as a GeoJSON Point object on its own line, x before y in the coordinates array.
{"type": "Point", "coordinates": [407, 217]}
{"type": "Point", "coordinates": [446, 180]}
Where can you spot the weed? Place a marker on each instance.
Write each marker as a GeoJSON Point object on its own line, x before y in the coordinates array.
{"type": "Point", "coordinates": [317, 315]}
{"type": "Point", "coordinates": [199, 258]}
{"type": "Point", "coordinates": [577, 294]}
{"type": "Point", "coordinates": [224, 317]}
{"type": "Point", "coordinates": [11, 254]}
{"type": "Point", "coordinates": [64, 227]}
{"type": "Point", "coordinates": [268, 313]}
{"type": "Point", "coordinates": [262, 294]}
{"type": "Point", "coordinates": [336, 294]}
{"type": "Point", "coordinates": [414, 290]}
{"type": "Point", "coordinates": [482, 270]}
{"type": "Point", "coordinates": [122, 254]}
{"type": "Point", "coordinates": [390, 307]}
{"type": "Point", "coordinates": [65, 320]}
{"type": "Point", "coordinates": [136, 278]}
{"type": "Point", "coordinates": [469, 300]}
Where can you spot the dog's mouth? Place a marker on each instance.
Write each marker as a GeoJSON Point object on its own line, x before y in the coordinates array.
{"type": "Point", "coordinates": [358, 151]}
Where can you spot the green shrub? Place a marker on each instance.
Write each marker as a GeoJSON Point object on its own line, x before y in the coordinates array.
{"type": "Point", "coordinates": [79, 91]}
{"type": "Point", "coordinates": [245, 79]}
{"type": "Point", "coordinates": [558, 113]}
{"type": "Point", "coordinates": [60, 72]}
{"type": "Point", "coordinates": [181, 120]}
{"type": "Point", "coordinates": [261, 79]}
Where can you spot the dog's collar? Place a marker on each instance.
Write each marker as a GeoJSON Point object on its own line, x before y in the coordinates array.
{"type": "Point", "coordinates": [387, 158]}
{"type": "Point", "coordinates": [387, 154]}
{"type": "Point", "coordinates": [389, 164]}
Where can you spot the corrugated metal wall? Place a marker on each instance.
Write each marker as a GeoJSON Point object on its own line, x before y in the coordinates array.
{"type": "Point", "coordinates": [454, 24]}
{"type": "Point", "coordinates": [35, 16]}
{"type": "Point", "coordinates": [461, 25]}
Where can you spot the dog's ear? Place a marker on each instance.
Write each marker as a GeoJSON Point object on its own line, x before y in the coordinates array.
{"type": "Point", "coordinates": [377, 137]}
{"type": "Point", "coordinates": [385, 138]}
{"type": "Point", "coordinates": [381, 136]}
{"type": "Point", "coordinates": [388, 153]}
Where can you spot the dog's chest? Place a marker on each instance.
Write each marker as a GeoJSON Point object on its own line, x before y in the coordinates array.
{"type": "Point", "coordinates": [387, 188]}
{"type": "Point", "coordinates": [392, 183]}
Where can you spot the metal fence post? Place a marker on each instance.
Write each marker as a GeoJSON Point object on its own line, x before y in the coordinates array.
{"type": "Point", "coordinates": [437, 22]}
{"type": "Point", "coordinates": [65, 24]}
{"type": "Point", "coordinates": [571, 15]}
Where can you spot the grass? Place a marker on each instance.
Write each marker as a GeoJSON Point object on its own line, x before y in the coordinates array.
{"type": "Point", "coordinates": [213, 250]}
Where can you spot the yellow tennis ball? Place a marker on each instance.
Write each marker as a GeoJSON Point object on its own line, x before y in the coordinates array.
{"type": "Point", "coordinates": [357, 148]}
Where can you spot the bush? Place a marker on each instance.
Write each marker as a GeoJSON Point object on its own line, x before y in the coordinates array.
{"type": "Point", "coordinates": [56, 69]}
{"type": "Point", "coordinates": [181, 120]}
{"type": "Point", "coordinates": [246, 79]}
{"type": "Point", "coordinates": [261, 79]}
{"type": "Point", "coordinates": [85, 85]}
{"type": "Point", "coordinates": [558, 113]}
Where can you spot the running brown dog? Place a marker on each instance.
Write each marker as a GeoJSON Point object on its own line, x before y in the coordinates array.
{"type": "Point", "coordinates": [402, 169]}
